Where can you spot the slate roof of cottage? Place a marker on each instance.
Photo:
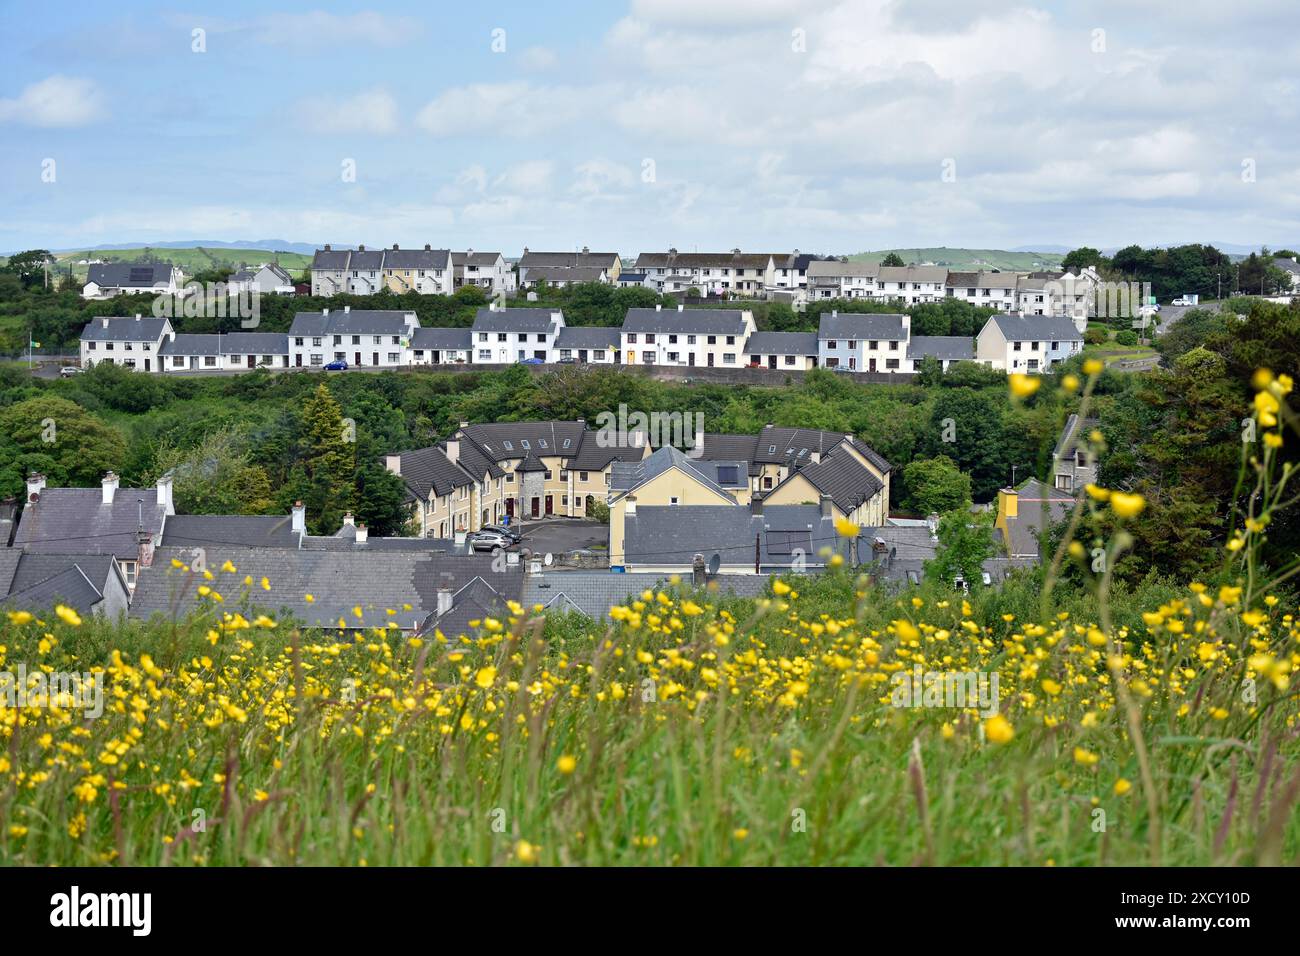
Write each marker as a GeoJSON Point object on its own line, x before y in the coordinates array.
{"type": "Point", "coordinates": [657, 535]}
{"type": "Point", "coordinates": [429, 469]}
{"type": "Point", "coordinates": [442, 339]}
{"type": "Point", "coordinates": [255, 343]}
{"type": "Point", "coordinates": [588, 337]}
{"type": "Point", "coordinates": [130, 275]}
{"type": "Point", "coordinates": [75, 519]}
{"type": "Point", "coordinates": [782, 343]}
{"type": "Point", "coordinates": [1028, 328]}
{"type": "Point", "coordinates": [188, 343]}
{"type": "Point", "coordinates": [953, 348]}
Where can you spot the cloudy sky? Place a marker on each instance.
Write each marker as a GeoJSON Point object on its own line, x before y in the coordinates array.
{"type": "Point", "coordinates": [764, 124]}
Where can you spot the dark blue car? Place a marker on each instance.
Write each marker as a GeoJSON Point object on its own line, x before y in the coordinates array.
{"type": "Point", "coordinates": [337, 366]}
{"type": "Point", "coordinates": [531, 361]}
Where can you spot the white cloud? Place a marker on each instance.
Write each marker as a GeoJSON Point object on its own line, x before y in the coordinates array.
{"type": "Point", "coordinates": [511, 109]}
{"type": "Point", "coordinates": [319, 29]}
{"type": "Point", "coordinates": [55, 101]}
{"type": "Point", "coordinates": [529, 176]}
{"type": "Point", "coordinates": [538, 58]}
{"type": "Point", "coordinates": [371, 112]}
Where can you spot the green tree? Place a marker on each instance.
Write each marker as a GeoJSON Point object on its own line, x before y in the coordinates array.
{"type": "Point", "coordinates": [29, 266]}
{"type": "Point", "coordinates": [67, 443]}
{"type": "Point", "coordinates": [936, 486]}
{"type": "Point", "coordinates": [1083, 257]}
{"type": "Point", "coordinates": [893, 259]}
{"type": "Point", "coordinates": [381, 502]}
{"type": "Point", "coordinates": [214, 476]}
{"type": "Point", "coordinates": [965, 543]}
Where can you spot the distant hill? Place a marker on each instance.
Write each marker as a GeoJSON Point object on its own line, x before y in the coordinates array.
{"type": "Point", "coordinates": [283, 245]}
{"type": "Point", "coordinates": [970, 260]}
{"type": "Point", "coordinates": [191, 259]}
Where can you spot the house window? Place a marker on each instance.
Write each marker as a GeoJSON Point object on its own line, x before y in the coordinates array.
{"type": "Point", "coordinates": [129, 572]}
{"type": "Point", "coordinates": [673, 501]}
{"type": "Point", "coordinates": [394, 358]}
{"type": "Point", "coordinates": [315, 341]}
{"type": "Point", "coordinates": [297, 340]}
{"type": "Point", "coordinates": [728, 358]}
{"type": "Point", "coordinates": [482, 336]}
{"type": "Point", "coordinates": [178, 361]}
{"type": "Point", "coordinates": [891, 363]}
{"type": "Point", "coordinates": [316, 360]}
{"type": "Point", "coordinates": [712, 340]}
{"type": "Point", "coordinates": [832, 344]}
{"type": "Point", "coordinates": [91, 346]}
{"type": "Point", "coordinates": [582, 476]}
{"type": "Point", "coordinates": [485, 355]}
{"type": "Point", "coordinates": [631, 338]}
{"type": "Point", "coordinates": [598, 355]}
{"type": "Point", "coordinates": [209, 360]}
{"type": "Point", "coordinates": [789, 360]}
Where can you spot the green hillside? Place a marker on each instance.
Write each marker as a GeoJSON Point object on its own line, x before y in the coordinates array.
{"type": "Point", "coordinates": [969, 260]}
{"type": "Point", "coordinates": [191, 260]}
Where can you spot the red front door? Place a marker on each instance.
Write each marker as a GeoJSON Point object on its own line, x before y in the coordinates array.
{"type": "Point", "coordinates": [536, 507]}
{"type": "Point", "coordinates": [252, 361]}
{"type": "Point", "coordinates": [548, 504]}
{"type": "Point", "coordinates": [357, 356]}
{"type": "Point", "coordinates": [510, 507]}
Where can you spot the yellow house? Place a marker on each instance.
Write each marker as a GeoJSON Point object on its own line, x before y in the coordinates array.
{"type": "Point", "coordinates": [668, 478]}
{"type": "Point", "coordinates": [855, 490]}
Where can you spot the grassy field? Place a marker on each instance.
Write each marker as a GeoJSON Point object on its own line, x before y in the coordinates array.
{"type": "Point", "coordinates": [190, 260]}
{"type": "Point", "coordinates": [970, 259]}
{"type": "Point", "coordinates": [818, 725]}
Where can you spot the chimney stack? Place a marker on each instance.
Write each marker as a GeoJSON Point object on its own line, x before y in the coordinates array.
{"type": "Point", "coordinates": [827, 506]}
{"type": "Point", "coordinates": [35, 484]}
{"type": "Point", "coordinates": [453, 450]}
{"type": "Point", "coordinates": [348, 520]}
{"type": "Point", "coordinates": [299, 518]}
{"type": "Point", "coordinates": [630, 510]}
{"type": "Point", "coordinates": [110, 487]}
{"type": "Point", "coordinates": [347, 309]}
{"type": "Point", "coordinates": [756, 503]}
{"type": "Point", "coordinates": [444, 601]}
{"type": "Point", "coordinates": [697, 571]}
{"type": "Point", "coordinates": [165, 494]}
{"type": "Point", "coordinates": [681, 306]}
{"type": "Point", "coordinates": [394, 464]}
{"type": "Point", "coordinates": [659, 307]}
{"type": "Point", "coordinates": [363, 534]}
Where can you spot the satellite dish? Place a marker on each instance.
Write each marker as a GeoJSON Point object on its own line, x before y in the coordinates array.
{"type": "Point", "coordinates": [547, 560]}
{"type": "Point", "coordinates": [715, 562]}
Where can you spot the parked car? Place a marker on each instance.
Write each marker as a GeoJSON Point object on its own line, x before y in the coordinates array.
{"type": "Point", "coordinates": [502, 530]}
{"type": "Point", "coordinates": [488, 541]}
{"type": "Point", "coordinates": [567, 361]}
{"type": "Point", "coordinates": [336, 366]}
{"type": "Point", "coordinates": [841, 368]}
{"type": "Point", "coordinates": [531, 361]}
{"type": "Point", "coordinates": [70, 370]}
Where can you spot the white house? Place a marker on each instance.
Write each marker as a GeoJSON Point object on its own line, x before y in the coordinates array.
{"type": "Point", "coordinates": [1028, 343]}
{"type": "Point", "coordinates": [560, 277]}
{"type": "Point", "coordinates": [133, 342]}
{"type": "Point", "coordinates": [864, 341]}
{"type": "Point", "coordinates": [686, 337]}
{"type": "Point", "coordinates": [911, 284]}
{"type": "Point", "coordinates": [441, 347]}
{"type": "Point", "coordinates": [1291, 266]}
{"type": "Point", "coordinates": [946, 349]}
{"type": "Point", "coordinates": [597, 345]}
{"type": "Point", "coordinates": [565, 268]}
{"type": "Point", "coordinates": [266, 279]}
{"type": "Point", "coordinates": [126, 278]}
{"type": "Point", "coordinates": [502, 336]}
{"type": "Point", "coordinates": [487, 270]}
{"type": "Point", "coordinates": [840, 279]}
{"type": "Point", "coordinates": [360, 337]}
{"type": "Point", "coordinates": [225, 352]}
{"type": "Point", "coordinates": [783, 351]}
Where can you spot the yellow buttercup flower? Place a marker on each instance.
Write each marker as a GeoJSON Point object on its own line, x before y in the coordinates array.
{"type": "Point", "coordinates": [68, 615]}
{"type": "Point", "coordinates": [1093, 367]}
{"type": "Point", "coordinates": [1022, 386]}
{"type": "Point", "coordinates": [1126, 505]}
{"type": "Point", "coordinates": [998, 729]}
{"type": "Point", "coordinates": [566, 764]}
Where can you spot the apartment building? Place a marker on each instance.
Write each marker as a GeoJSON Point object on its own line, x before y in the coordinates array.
{"type": "Point", "coordinates": [686, 337]}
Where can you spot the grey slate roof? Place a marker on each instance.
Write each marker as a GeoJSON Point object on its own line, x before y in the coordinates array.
{"type": "Point", "coordinates": [251, 531]}
{"type": "Point", "coordinates": [593, 456]}
{"type": "Point", "coordinates": [127, 275]}
{"type": "Point", "coordinates": [69, 586]}
{"type": "Point", "coordinates": [588, 337]}
{"type": "Point", "coordinates": [699, 321]}
{"type": "Point", "coordinates": [255, 343]}
{"type": "Point", "coordinates": [1040, 328]}
{"type": "Point", "coordinates": [702, 260]}
{"type": "Point", "coordinates": [441, 339]}
{"type": "Point", "coordinates": [626, 477]}
{"type": "Point", "coordinates": [1288, 265]}
{"type": "Point", "coordinates": [475, 258]}
{"type": "Point", "coordinates": [953, 348]}
{"type": "Point", "coordinates": [123, 329]}
{"type": "Point", "coordinates": [860, 325]}
{"type": "Point", "coordinates": [1033, 499]}
{"type": "Point", "coordinates": [513, 320]}
{"type": "Point", "coordinates": [338, 581]}
{"type": "Point", "coordinates": [834, 267]}
{"type": "Point", "coordinates": [782, 343]}
{"type": "Point", "coordinates": [658, 535]}
{"type": "Point", "coordinates": [593, 593]}
{"type": "Point", "coordinates": [429, 469]}
{"type": "Point", "coordinates": [185, 343]}
{"type": "Point", "coordinates": [434, 259]}
{"type": "Point", "coordinates": [844, 478]}
{"type": "Point", "coordinates": [503, 441]}
{"type": "Point", "coordinates": [350, 322]}
{"type": "Point", "coordinates": [563, 273]}
{"type": "Point", "coordinates": [567, 260]}
{"type": "Point", "coordinates": [75, 520]}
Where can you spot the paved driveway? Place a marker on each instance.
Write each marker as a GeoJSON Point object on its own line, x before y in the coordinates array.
{"type": "Point", "coordinates": [561, 535]}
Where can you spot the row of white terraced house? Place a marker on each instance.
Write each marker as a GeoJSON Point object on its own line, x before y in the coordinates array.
{"type": "Point", "coordinates": [658, 337]}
